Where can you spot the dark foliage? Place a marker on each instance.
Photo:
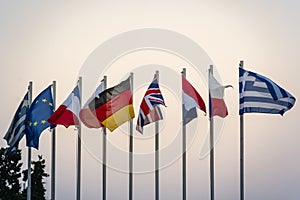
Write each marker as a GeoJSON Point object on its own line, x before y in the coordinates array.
{"type": "Point", "coordinates": [10, 173]}
{"type": "Point", "coordinates": [10, 176]}
{"type": "Point", "coordinates": [38, 174]}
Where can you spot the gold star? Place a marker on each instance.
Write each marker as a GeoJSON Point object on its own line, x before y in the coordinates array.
{"type": "Point", "coordinates": [44, 100]}
{"type": "Point", "coordinates": [29, 123]}
{"type": "Point", "coordinates": [50, 104]}
{"type": "Point", "coordinates": [43, 121]}
{"type": "Point", "coordinates": [35, 123]}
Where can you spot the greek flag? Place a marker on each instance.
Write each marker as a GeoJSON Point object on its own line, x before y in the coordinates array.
{"type": "Point", "coordinates": [259, 94]}
{"type": "Point", "coordinates": [17, 127]}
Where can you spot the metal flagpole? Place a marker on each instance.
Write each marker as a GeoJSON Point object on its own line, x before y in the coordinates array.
{"type": "Point", "coordinates": [79, 144]}
{"type": "Point", "coordinates": [131, 147]}
{"type": "Point", "coordinates": [29, 150]}
{"type": "Point", "coordinates": [53, 148]}
{"type": "Point", "coordinates": [242, 149]}
{"type": "Point", "coordinates": [211, 128]}
{"type": "Point", "coordinates": [104, 152]}
{"type": "Point", "coordinates": [157, 152]}
{"type": "Point", "coordinates": [183, 150]}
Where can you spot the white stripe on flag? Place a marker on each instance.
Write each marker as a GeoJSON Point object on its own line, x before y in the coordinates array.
{"type": "Point", "coordinates": [261, 105]}
{"type": "Point", "coordinates": [255, 94]}
{"type": "Point", "coordinates": [189, 102]}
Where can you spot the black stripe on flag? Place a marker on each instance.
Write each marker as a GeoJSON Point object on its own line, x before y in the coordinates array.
{"type": "Point", "coordinates": [109, 94]}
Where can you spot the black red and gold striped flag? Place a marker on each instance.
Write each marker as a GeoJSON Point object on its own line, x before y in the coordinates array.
{"type": "Point", "coordinates": [113, 106]}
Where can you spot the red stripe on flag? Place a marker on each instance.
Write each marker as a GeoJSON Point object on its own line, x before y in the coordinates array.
{"type": "Point", "coordinates": [192, 92]}
{"type": "Point", "coordinates": [152, 91]}
{"type": "Point", "coordinates": [112, 106]}
{"type": "Point", "coordinates": [89, 119]}
{"type": "Point", "coordinates": [64, 117]}
{"type": "Point", "coordinates": [218, 107]}
{"type": "Point", "coordinates": [144, 107]}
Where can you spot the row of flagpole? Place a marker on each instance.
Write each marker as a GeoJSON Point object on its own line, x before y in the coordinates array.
{"type": "Point", "coordinates": [53, 150]}
{"type": "Point", "coordinates": [247, 105]}
{"type": "Point", "coordinates": [53, 160]}
{"type": "Point", "coordinates": [104, 152]}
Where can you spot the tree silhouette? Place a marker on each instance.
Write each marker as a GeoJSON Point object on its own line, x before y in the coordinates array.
{"type": "Point", "coordinates": [37, 184]}
{"type": "Point", "coordinates": [10, 173]}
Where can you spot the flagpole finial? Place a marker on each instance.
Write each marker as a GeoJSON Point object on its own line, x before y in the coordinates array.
{"type": "Point", "coordinates": [105, 81]}
{"type": "Point", "coordinates": [183, 72]}
{"type": "Point", "coordinates": [79, 79]}
{"type": "Point", "coordinates": [241, 64]}
{"type": "Point", "coordinates": [211, 68]}
{"type": "Point", "coordinates": [29, 85]}
{"type": "Point", "coordinates": [157, 74]}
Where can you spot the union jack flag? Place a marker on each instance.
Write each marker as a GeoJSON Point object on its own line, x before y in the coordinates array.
{"type": "Point", "coordinates": [149, 110]}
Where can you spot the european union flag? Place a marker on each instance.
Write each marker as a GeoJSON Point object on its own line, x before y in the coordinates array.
{"type": "Point", "coordinates": [40, 110]}
{"type": "Point", "coordinates": [17, 127]}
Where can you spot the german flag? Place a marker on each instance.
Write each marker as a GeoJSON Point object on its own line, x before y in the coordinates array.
{"type": "Point", "coordinates": [113, 106]}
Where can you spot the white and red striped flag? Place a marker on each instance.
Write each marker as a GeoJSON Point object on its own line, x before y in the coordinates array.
{"type": "Point", "coordinates": [216, 96]}
{"type": "Point", "coordinates": [67, 114]}
{"type": "Point", "coordinates": [191, 100]}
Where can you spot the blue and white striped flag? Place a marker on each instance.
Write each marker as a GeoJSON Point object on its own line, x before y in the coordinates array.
{"type": "Point", "coordinates": [259, 94]}
{"type": "Point", "coordinates": [17, 127]}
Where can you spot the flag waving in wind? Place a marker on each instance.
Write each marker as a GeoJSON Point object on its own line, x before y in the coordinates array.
{"type": "Point", "coordinates": [40, 111]}
{"type": "Point", "coordinates": [259, 94]}
{"type": "Point", "coordinates": [191, 101]}
{"type": "Point", "coordinates": [17, 127]}
{"type": "Point", "coordinates": [87, 117]}
{"type": "Point", "coordinates": [113, 106]}
{"type": "Point", "coordinates": [217, 104]}
{"type": "Point", "coordinates": [68, 113]}
{"type": "Point", "coordinates": [149, 110]}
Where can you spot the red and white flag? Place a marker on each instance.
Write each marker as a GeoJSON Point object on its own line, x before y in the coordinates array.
{"type": "Point", "coordinates": [216, 94]}
{"type": "Point", "coordinates": [191, 100]}
{"type": "Point", "coordinates": [67, 114]}
{"type": "Point", "coordinates": [87, 117]}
